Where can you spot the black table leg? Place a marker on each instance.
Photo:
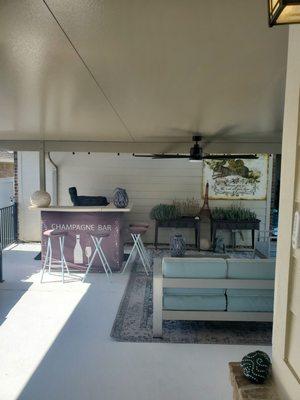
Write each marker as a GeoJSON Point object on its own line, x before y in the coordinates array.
{"type": "Point", "coordinates": [213, 235]}
{"type": "Point", "coordinates": [156, 235]}
{"type": "Point", "coordinates": [198, 236]}
{"type": "Point", "coordinates": [253, 238]}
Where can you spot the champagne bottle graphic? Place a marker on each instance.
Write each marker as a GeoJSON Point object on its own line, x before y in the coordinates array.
{"type": "Point", "coordinates": [78, 253]}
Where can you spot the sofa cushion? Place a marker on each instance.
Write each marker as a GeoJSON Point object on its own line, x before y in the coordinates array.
{"type": "Point", "coordinates": [251, 269]}
{"type": "Point", "coordinates": [193, 292]}
{"type": "Point", "coordinates": [251, 303]}
{"type": "Point", "coordinates": [250, 292]}
{"type": "Point", "coordinates": [194, 267]}
{"type": "Point", "coordinates": [256, 300]}
{"type": "Point", "coordinates": [199, 303]}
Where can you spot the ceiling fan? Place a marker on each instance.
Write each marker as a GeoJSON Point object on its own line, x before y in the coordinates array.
{"type": "Point", "coordinates": [197, 155]}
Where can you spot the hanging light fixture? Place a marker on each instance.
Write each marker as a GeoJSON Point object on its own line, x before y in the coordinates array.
{"type": "Point", "coordinates": [284, 12]}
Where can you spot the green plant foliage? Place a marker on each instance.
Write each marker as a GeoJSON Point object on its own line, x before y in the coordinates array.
{"type": "Point", "coordinates": [164, 212]}
{"type": "Point", "coordinates": [187, 208]}
{"type": "Point", "coordinates": [233, 213]}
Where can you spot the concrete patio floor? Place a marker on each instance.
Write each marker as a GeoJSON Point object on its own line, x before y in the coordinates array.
{"type": "Point", "coordinates": [55, 344]}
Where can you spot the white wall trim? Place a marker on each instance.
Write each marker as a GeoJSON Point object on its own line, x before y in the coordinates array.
{"type": "Point", "coordinates": [167, 145]}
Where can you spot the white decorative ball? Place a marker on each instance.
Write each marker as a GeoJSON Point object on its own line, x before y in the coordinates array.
{"type": "Point", "coordinates": [205, 244]}
{"type": "Point", "coordinates": [40, 198]}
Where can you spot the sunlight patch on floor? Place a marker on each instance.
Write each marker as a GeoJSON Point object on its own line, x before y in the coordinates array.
{"type": "Point", "coordinates": [48, 314]}
{"type": "Point", "coordinates": [24, 247]}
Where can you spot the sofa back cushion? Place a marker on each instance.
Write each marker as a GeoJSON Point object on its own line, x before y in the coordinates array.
{"type": "Point", "coordinates": [251, 269]}
{"type": "Point", "coordinates": [193, 292]}
{"type": "Point", "coordinates": [194, 267]}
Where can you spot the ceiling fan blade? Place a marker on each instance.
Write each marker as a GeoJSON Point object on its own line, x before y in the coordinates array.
{"type": "Point", "coordinates": [161, 156]}
{"type": "Point", "coordinates": [230, 156]}
{"type": "Point", "coordinates": [143, 155]}
{"type": "Point", "coordinates": [216, 136]}
{"type": "Point", "coordinates": [169, 156]}
{"type": "Point", "coordinates": [180, 131]}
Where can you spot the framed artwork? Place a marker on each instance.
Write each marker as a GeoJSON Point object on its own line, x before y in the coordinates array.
{"type": "Point", "coordinates": [236, 179]}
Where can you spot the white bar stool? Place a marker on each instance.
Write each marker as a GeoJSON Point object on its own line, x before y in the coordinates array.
{"type": "Point", "coordinates": [49, 261]}
{"type": "Point", "coordinates": [136, 230]}
{"type": "Point", "coordinates": [97, 239]}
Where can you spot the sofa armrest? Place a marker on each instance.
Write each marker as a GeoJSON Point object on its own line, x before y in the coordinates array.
{"type": "Point", "coordinates": [157, 297]}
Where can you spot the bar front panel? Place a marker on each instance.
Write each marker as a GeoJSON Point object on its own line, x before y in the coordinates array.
{"type": "Point", "coordinates": [79, 247]}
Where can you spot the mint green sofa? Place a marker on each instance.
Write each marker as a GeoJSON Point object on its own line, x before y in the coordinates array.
{"type": "Point", "coordinates": [212, 289]}
{"type": "Point", "coordinates": [194, 298]}
{"type": "Point", "coordinates": [256, 300]}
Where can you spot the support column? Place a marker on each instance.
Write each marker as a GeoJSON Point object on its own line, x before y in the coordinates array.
{"type": "Point", "coordinates": [269, 193]}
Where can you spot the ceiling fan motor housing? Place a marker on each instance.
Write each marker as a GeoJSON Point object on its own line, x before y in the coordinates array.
{"type": "Point", "coordinates": [196, 152]}
{"type": "Point", "coordinates": [197, 138]}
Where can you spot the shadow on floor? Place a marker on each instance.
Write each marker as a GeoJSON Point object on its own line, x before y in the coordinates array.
{"type": "Point", "coordinates": [74, 358]}
{"type": "Point", "coordinates": [18, 269]}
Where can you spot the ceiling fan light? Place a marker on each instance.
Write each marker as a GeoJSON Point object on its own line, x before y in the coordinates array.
{"type": "Point", "coordinates": [284, 12]}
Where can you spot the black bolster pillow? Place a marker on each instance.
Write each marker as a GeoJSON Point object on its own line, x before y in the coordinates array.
{"type": "Point", "coordinates": [86, 200]}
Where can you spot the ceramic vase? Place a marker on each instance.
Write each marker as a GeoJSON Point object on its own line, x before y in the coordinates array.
{"type": "Point", "coordinates": [120, 198]}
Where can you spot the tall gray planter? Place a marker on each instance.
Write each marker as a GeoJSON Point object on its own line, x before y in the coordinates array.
{"type": "Point", "coordinates": [177, 245]}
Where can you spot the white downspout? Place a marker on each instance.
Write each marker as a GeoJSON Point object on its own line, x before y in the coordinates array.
{"type": "Point", "coordinates": [55, 181]}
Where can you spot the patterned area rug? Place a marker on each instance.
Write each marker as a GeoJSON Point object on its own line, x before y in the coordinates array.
{"type": "Point", "coordinates": [133, 322]}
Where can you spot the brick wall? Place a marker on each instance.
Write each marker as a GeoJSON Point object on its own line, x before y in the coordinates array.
{"type": "Point", "coordinates": [16, 187]}
{"type": "Point", "coordinates": [15, 175]}
{"type": "Point", "coordinates": [6, 170]}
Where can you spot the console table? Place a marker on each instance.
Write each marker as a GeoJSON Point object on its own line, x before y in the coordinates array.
{"type": "Point", "coordinates": [234, 225]}
{"type": "Point", "coordinates": [183, 222]}
{"type": "Point", "coordinates": [245, 390]}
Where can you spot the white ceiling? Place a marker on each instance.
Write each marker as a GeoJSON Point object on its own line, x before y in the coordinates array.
{"type": "Point", "coordinates": [140, 70]}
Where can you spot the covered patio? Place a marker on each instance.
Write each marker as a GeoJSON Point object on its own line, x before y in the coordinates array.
{"type": "Point", "coordinates": [59, 343]}
{"type": "Point", "coordinates": [150, 235]}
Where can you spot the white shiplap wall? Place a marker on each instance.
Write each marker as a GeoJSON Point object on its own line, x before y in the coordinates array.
{"type": "Point", "coordinates": [148, 182]}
